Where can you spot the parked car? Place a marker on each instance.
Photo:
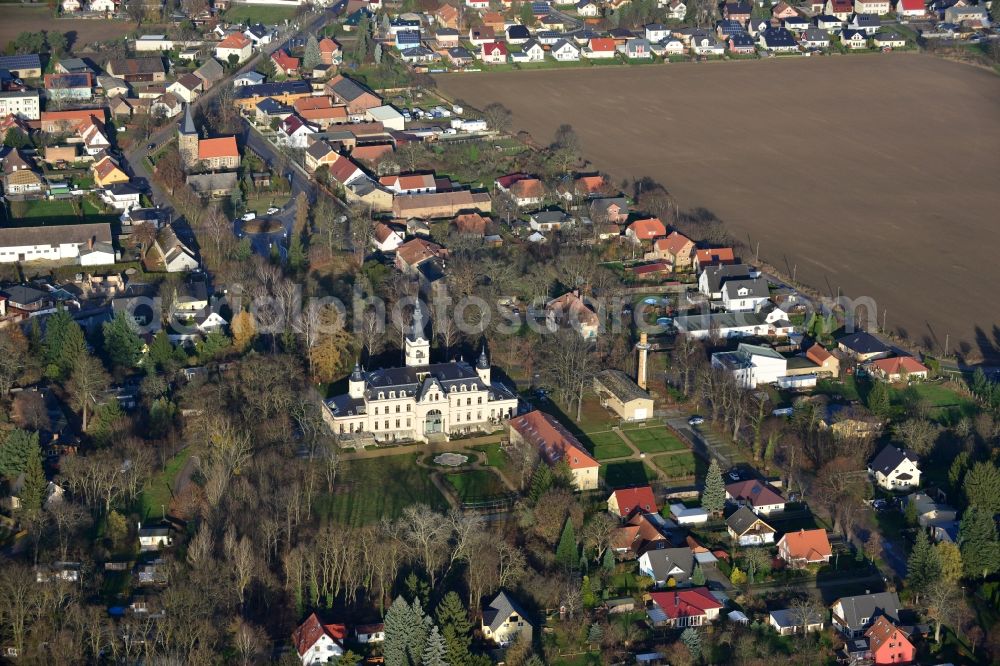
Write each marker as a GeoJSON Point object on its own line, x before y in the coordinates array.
{"type": "Point", "coordinates": [249, 215]}
{"type": "Point", "coordinates": [272, 210]}
{"type": "Point", "coordinates": [696, 420]}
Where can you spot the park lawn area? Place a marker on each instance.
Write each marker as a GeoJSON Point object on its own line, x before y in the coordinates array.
{"type": "Point", "coordinates": [655, 440]}
{"type": "Point", "coordinates": [260, 14]}
{"type": "Point", "coordinates": [42, 208]}
{"type": "Point", "coordinates": [158, 490]}
{"type": "Point", "coordinates": [627, 473]}
{"type": "Point", "coordinates": [476, 484]}
{"type": "Point", "coordinates": [495, 457]}
{"type": "Point", "coordinates": [676, 465]}
{"type": "Point", "coordinates": [608, 445]}
{"type": "Point", "coordinates": [947, 406]}
{"type": "Point", "coordinates": [259, 202]}
{"type": "Point", "coordinates": [373, 488]}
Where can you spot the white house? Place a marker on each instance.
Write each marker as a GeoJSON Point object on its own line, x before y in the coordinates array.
{"type": "Point", "coordinates": [565, 51]}
{"type": "Point", "coordinates": [121, 196]}
{"type": "Point", "coordinates": [588, 9]}
{"type": "Point", "coordinates": [55, 243]}
{"type": "Point", "coordinates": [744, 295]}
{"type": "Point", "coordinates": [385, 238]}
{"type": "Point", "coordinates": [370, 633]}
{"type": "Point", "coordinates": [235, 44]}
{"type": "Point", "coordinates": [532, 51]}
{"type": "Point", "coordinates": [250, 78]}
{"type": "Point", "coordinates": [682, 515]}
{"type": "Point", "coordinates": [295, 132]}
{"type": "Point", "coordinates": [752, 365]}
{"type": "Point", "coordinates": [154, 538]}
{"type": "Point", "coordinates": [69, 6]}
{"type": "Point", "coordinates": [667, 564]}
{"type": "Point", "coordinates": [503, 620]}
{"type": "Point", "coordinates": [788, 621]}
{"type": "Point", "coordinates": [677, 10]}
{"type": "Point", "coordinates": [101, 6]}
{"type": "Point", "coordinates": [318, 643]}
{"type": "Point", "coordinates": [176, 257]}
{"type": "Point", "coordinates": [895, 469]}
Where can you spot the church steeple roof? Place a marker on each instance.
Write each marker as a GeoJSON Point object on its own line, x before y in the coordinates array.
{"type": "Point", "coordinates": [187, 123]}
{"type": "Point", "coordinates": [483, 363]}
{"type": "Point", "coordinates": [417, 332]}
{"type": "Point", "coordinates": [356, 376]}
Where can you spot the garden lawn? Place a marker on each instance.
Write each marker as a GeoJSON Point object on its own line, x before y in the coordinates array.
{"type": "Point", "coordinates": [626, 474]}
{"type": "Point", "coordinates": [608, 445]}
{"type": "Point", "coordinates": [476, 484]}
{"type": "Point", "coordinates": [373, 488]}
{"type": "Point", "coordinates": [655, 440]}
{"type": "Point", "coordinates": [158, 490]}
{"type": "Point", "coordinates": [676, 465]}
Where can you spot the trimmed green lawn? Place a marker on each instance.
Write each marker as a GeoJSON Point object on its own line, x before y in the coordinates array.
{"type": "Point", "coordinates": [608, 445]}
{"type": "Point", "coordinates": [476, 484]}
{"type": "Point", "coordinates": [655, 440]}
{"type": "Point", "coordinates": [157, 491]}
{"type": "Point", "coordinates": [627, 473]}
{"type": "Point", "coordinates": [676, 465]}
{"type": "Point", "coordinates": [373, 488]}
{"type": "Point", "coordinates": [259, 14]}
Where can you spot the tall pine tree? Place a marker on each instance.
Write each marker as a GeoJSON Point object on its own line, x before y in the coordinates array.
{"type": "Point", "coordinates": [435, 652]}
{"type": "Point", "coordinates": [977, 540]}
{"type": "Point", "coordinates": [713, 498]}
{"type": "Point", "coordinates": [33, 492]}
{"type": "Point", "coordinates": [922, 569]}
{"type": "Point", "coordinates": [456, 629]}
{"type": "Point", "coordinates": [312, 56]}
{"type": "Point", "coordinates": [122, 344]}
{"type": "Point", "coordinates": [566, 551]}
{"type": "Point", "coordinates": [398, 624]}
{"type": "Point", "coordinates": [63, 344]}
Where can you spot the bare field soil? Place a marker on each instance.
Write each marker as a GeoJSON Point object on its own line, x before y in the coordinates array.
{"type": "Point", "coordinates": [81, 32]}
{"type": "Point", "coordinates": [876, 174]}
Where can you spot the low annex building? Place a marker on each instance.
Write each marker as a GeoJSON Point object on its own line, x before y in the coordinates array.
{"type": "Point", "coordinates": [555, 444]}
{"type": "Point", "coordinates": [622, 395]}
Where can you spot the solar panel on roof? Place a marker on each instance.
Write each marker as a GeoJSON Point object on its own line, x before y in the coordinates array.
{"type": "Point", "coordinates": [27, 61]}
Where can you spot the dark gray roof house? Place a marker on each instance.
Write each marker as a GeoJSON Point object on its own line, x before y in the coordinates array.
{"type": "Point", "coordinates": [518, 32]}
{"type": "Point", "coordinates": [716, 276]}
{"type": "Point", "coordinates": [211, 71]}
{"type": "Point", "coordinates": [863, 343]}
{"type": "Point", "coordinates": [852, 615]}
{"type": "Point", "coordinates": [891, 457]}
{"type": "Point", "coordinates": [755, 288]}
{"type": "Point", "coordinates": [741, 521]}
{"type": "Point", "coordinates": [501, 610]}
{"type": "Point", "coordinates": [667, 563]}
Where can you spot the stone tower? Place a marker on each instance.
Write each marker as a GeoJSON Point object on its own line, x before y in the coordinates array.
{"type": "Point", "coordinates": [643, 349]}
{"type": "Point", "coordinates": [417, 345]}
{"type": "Point", "coordinates": [187, 139]}
{"type": "Point", "coordinates": [356, 384]}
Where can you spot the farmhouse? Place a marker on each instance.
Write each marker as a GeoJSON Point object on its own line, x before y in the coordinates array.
{"type": "Point", "coordinates": [72, 243]}
{"type": "Point", "coordinates": [440, 204]}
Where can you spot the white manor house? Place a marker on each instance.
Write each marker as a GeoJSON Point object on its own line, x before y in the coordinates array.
{"type": "Point", "coordinates": [422, 400]}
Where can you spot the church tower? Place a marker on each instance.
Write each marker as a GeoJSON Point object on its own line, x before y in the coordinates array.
{"type": "Point", "coordinates": [483, 367]}
{"type": "Point", "coordinates": [187, 139]}
{"type": "Point", "coordinates": [417, 345]}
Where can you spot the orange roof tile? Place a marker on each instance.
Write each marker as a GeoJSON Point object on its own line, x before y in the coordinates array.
{"type": "Point", "coordinates": [633, 499]}
{"type": "Point", "coordinates": [648, 229]}
{"type": "Point", "coordinates": [602, 44]}
{"type": "Point", "coordinates": [371, 152]}
{"type": "Point", "coordinates": [234, 40]}
{"type": "Point", "coordinates": [900, 364]}
{"type": "Point", "coordinates": [554, 442]}
{"type": "Point", "coordinates": [223, 146]}
{"type": "Point", "coordinates": [327, 45]}
{"type": "Point", "coordinates": [809, 545]}
{"type": "Point", "coordinates": [717, 255]}
{"type": "Point", "coordinates": [674, 244]}
{"type": "Point", "coordinates": [818, 354]}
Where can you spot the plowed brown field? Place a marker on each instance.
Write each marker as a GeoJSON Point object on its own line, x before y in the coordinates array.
{"type": "Point", "coordinates": [876, 174]}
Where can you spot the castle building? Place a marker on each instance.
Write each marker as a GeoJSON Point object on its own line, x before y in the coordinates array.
{"type": "Point", "coordinates": [421, 400]}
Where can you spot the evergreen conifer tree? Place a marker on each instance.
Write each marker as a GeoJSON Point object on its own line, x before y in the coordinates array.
{"type": "Point", "coordinates": [977, 538]}
{"type": "Point", "coordinates": [566, 551]}
{"type": "Point", "coordinates": [33, 492]}
{"type": "Point", "coordinates": [609, 561]}
{"type": "Point", "coordinates": [435, 651]}
{"type": "Point", "coordinates": [456, 628]}
{"type": "Point", "coordinates": [122, 343]}
{"type": "Point", "coordinates": [312, 56]}
{"type": "Point", "coordinates": [692, 640]}
{"type": "Point", "coordinates": [399, 621]}
{"type": "Point", "coordinates": [922, 567]}
{"type": "Point", "coordinates": [697, 576]}
{"type": "Point", "coordinates": [713, 498]}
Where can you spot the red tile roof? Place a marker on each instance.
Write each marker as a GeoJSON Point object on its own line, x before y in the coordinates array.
{"type": "Point", "coordinates": [223, 146]}
{"type": "Point", "coordinates": [883, 631]}
{"type": "Point", "coordinates": [809, 545]}
{"type": "Point", "coordinates": [327, 45]}
{"type": "Point", "coordinates": [911, 5]}
{"type": "Point", "coordinates": [494, 48]}
{"type": "Point", "coordinates": [818, 354]}
{"type": "Point", "coordinates": [310, 631]}
{"type": "Point", "coordinates": [632, 499]}
{"type": "Point", "coordinates": [602, 44]}
{"type": "Point", "coordinates": [553, 441]}
{"type": "Point", "coordinates": [371, 152]}
{"type": "Point", "coordinates": [900, 364]}
{"type": "Point", "coordinates": [648, 229]}
{"type": "Point", "coordinates": [685, 603]}
{"type": "Point", "coordinates": [674, 244]}
{"type": "Point", "coordinates": [716, 255]}
{"type": "Point", "coordinates": [284, 61]}
{"type": "Point", "coordinates": [418, 250]}
{"type": "Point", "coordinates": [589, 184]}
{"type": "Point", "coordinates": [234, 40]}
